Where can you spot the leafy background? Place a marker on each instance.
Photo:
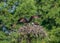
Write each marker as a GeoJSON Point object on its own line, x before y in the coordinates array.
{"type": "Point", "coordinates": [12, 10]}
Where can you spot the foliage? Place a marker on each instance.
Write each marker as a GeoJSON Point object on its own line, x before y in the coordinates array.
{"type": "Point", "coordinates": [55, 36]}
{"type": "Point", "coordinates": [12, 10]}
{"type": "Point", "coordinates": [50, 13]}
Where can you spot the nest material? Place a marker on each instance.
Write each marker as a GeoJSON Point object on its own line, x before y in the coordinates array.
{"type": "Point", "coordinates": [32, 29]}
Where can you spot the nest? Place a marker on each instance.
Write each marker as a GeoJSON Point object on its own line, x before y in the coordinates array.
{"type": "Point", "coordinates": [34, 30]}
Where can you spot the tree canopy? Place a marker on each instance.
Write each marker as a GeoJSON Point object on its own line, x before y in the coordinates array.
{"type": "Point", "coordinates": [12, 10]}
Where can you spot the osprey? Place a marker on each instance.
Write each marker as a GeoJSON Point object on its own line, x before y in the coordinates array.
{"type": "Point", "coordinates": [24, 20]}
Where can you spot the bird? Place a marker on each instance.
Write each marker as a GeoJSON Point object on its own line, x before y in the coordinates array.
{"type": "Point", "coordinates": [24, 20]}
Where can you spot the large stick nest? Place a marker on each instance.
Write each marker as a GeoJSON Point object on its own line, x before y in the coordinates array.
{"type": "Point", "coordinates": [30, 29]}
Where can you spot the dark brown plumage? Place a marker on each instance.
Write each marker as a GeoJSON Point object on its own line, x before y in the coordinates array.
{"type": "Point", "coordinates": [24, 20]}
